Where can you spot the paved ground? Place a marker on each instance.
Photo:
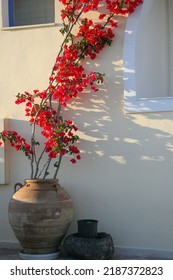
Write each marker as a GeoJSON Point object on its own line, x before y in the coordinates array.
{"type": "Point", "coordinates": [9, 254]}
{"type": "Point", "coordinates": [13, 254]}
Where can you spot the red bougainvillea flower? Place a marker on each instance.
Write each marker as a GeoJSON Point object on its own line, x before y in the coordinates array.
{"type": "Point", "coordinates": [16, 141]}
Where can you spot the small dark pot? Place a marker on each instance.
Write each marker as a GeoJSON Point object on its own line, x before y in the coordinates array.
{"type": "Point", "coordinates": [87, 228]}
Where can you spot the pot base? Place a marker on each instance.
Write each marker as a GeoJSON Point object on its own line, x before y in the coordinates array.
{"type": "Point", "coordinates": [50, 256]}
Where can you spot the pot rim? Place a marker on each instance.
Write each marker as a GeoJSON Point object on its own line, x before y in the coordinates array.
{"type": "Point", "coordinates": [87, 221]}
{"type": "Point", "coordinates": [42, 180]}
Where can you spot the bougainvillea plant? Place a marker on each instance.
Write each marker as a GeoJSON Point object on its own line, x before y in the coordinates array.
{"type": "Point", "coordinates": [68, 79]}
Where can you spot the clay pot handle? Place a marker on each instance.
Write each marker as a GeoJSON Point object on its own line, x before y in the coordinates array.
{"type": "Point", "coordinates": [17, 185]}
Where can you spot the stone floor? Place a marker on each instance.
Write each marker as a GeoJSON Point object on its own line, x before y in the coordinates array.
{"type": "Point", "coordinates": [13, 254]}
{"type": "Point", "coordinates": [9, 254]}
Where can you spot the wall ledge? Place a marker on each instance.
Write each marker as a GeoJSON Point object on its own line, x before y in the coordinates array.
{"type": "Point", "coordinates": [11, 28]}
{"type": "Point", "coordinates": [9, 245]}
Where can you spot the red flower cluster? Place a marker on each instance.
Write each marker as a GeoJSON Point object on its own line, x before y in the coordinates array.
{"type": "Point", "coordinates": [77, 5]}
{"type": "Point", "coordinates": [58, 132]}
{"type": "Point", "coordinates": [22, 98]}
{"type": "Point", "coordinates": [16, 141]}
{"type": "Point", "coordinates": [60, 138]}
{"type": "Point", "coordinates": [122, 7]}
{"type": "Point", "coordinates": [93, 38]}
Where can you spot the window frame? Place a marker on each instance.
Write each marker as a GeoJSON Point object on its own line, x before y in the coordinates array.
{"type": "Point", "coordinates": [10, 13]}
{"type": "Point", "coordinates": [11, 18]}
{"type": "Point", "coordinates": [133, 104]}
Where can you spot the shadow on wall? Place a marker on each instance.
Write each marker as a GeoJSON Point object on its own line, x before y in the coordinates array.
{"type": "Point", "coordinates": [125, 139]}
{"type": "Point", "coordinates": [116, 139]}
{"type": "Point", "coordinates": [126, 165]}
{"type": "Point", "coordinates": [109, 137]}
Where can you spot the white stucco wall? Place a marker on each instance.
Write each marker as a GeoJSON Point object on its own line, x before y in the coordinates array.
{"type": "Point", "coordinates": [124, 178]}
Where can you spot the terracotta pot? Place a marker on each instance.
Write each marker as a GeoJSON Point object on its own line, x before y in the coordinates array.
{"type": "Point", "coordinates": [40, 213]}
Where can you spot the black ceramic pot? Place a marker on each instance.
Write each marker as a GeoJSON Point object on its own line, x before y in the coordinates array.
{"type": "Point", "coordinates": [87, 228]}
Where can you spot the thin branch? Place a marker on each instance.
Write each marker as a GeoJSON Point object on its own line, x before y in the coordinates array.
{"type": "Point", "coordinates": [47, 167]}
{"type": "Point", "coordinates": [44, 166]}
{"type": "Point", "coordinates": [38, 163]}
{"type": "Point", "coordinates": [57, 168]}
